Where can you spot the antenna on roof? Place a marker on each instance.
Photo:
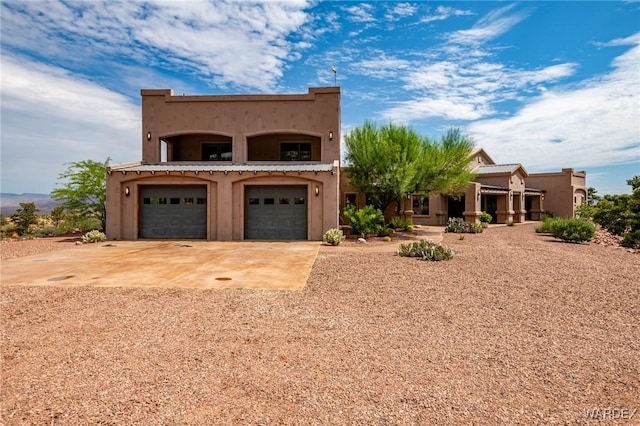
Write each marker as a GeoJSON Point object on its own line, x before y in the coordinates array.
{"type": "Point", "coordinates": [335, 75]}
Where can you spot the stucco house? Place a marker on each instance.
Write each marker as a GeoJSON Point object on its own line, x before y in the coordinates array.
{"type": "Point", "coordinates": [506, 191]}
{"type": "Point", "coordinates": [230, 167]}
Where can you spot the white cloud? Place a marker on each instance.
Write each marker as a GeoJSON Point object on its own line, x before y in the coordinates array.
{"type": "Point", "coordinates": [225, 42]}
{"type": "Point", "coordinates": [445, 12]}
{"type": "Point", "coordinates": [400, 10]}
{"type": "Point", "coordinates": [467, 89]}
{"type": "Point", "coordinates": [492, 25]}
{"type": "Point", "coordinates": [595, 124]}
{"type": "Point", "coordinates": [51, 117]}
{"type": "Point", "coordinates": [361, 13]}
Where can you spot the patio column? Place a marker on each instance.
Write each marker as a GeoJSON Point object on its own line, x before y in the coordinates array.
{"type": "Point", "coordinates": [472, 205]}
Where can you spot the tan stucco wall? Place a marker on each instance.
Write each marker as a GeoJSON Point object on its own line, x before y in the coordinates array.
{"type": "Point", "coordinates": [560, 189]}
{"type": "Point", "coordinates": [225, 200]}
{"type": "Point", "coordinates": [316, 113]}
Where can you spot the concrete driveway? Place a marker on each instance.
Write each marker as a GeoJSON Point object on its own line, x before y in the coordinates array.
{"type": "Point", "coordinates": [169, 264]}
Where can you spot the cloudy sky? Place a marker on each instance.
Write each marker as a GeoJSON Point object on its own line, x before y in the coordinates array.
{"type": "Point", "coordinates": [545, 84]}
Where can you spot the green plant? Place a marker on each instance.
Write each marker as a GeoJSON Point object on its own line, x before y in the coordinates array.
{"type": "Point", "coordinates": [485, 217]}
{"type": "Point", "coordinates": [93, 237]}
{"type": "Point", "coordinates": [364, 221]}
{"type": "Point", "coordinates": [24, 217]}
{"type": "Point", "coordinates": [397, 222]}
{"type": "Point", "coordinates": [333, 236]}
{"type": "Point", "coordinates": [510, 222]}
{"type": "Point", "coordinates": [458, 225]}
{"type": "Point", "coordinates": [631, 239]}
{"type": "Point", "coordinates": [426, 250]}
{"type": "Point", "coordinates": [386, 239]}
{"type": "Point", "coordinates": [385, 232]}
{"type": "Point", "coordinates": [573, 230]}
{"type": "Point", "coordinates": [461, 237]}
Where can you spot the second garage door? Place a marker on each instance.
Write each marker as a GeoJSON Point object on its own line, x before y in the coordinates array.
{"type": "Point", "coordinates": [276, 213]}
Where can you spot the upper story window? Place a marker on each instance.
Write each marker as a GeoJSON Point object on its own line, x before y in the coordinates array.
{"type": "Point", "coordinates": [295, 151]}
{"type": "Point", "coordinates": [217, 151]}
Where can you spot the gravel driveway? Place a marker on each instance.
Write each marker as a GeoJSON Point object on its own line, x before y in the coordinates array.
{"type": "Point", "coordinates": [516, 329]}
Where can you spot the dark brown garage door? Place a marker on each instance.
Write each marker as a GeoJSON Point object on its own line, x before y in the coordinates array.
{"type": "Point", "coordinates": [173, 212]}
{"type": "Point", "coordinates": [276, 213]}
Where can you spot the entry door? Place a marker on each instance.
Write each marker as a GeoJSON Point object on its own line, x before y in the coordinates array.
{"type": "Point", "coordinates": [173, 212]}
{"type": "Point", "coordinates": [275, 213]}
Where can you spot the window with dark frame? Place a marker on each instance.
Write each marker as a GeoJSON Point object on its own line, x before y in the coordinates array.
{"type": "Point", "coordinates": [420, 205]}
{"type": "Point", "coordinates": [221, 151]}
{"type": "Point", "coordinates": [295, 151]}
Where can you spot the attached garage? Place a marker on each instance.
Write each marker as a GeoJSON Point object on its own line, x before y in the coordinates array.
{"type": "Point", "coordinates": [173, 212]}
{"type": "Point", "coordinates": [276, 213]}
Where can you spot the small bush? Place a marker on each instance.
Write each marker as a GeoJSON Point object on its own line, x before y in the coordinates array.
{"type": "Point", "coordinates": [573, 230]}
{"type": "Point", "coordinates": [485, 217]}
{"type": "Point", "coordinates": [386, 239]}
{"type": "Point", "coordinates": [631, 239]}
{"type": "Point", "coordinates": [333, 236]}
{"type": "Point", "coordinates": [459, 226]}
{"type": "Point", "coordinates": [397, 222]}
{"type": "Point", "coordinates": [426, 250]}
{"type": "Point", "coordinates": [93, 237]}
{"type": "Point", "coordinates": [510, 222]}
{"type": "Point", "coordinates": [547, 225]}
{"type": "Point", "coordinates": [385, 232]}
{"type": "Point", "coordinates": [364, 221]}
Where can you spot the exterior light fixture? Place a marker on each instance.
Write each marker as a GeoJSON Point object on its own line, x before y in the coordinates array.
{"type": "Point", "coordinates": [127, 191]}
{"type": "Point", "coordinates": [148, 136]}
{"type": "Point", "coordinates": [317, 190]}
{"type": "Point", "coordinates": [330, 136]}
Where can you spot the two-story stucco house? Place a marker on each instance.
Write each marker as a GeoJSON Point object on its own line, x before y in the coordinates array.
{"type": "Point", "coordinates": [230, 167]}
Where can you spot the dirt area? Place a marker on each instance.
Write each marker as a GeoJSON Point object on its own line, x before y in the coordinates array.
{"type": "Point", "coordinates": [516, 329]}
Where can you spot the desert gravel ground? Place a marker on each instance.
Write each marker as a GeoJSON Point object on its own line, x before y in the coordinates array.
{"type": "Point", "coordinates": [516, 329]}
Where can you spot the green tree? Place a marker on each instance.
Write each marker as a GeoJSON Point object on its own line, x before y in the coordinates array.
{"type": "Point", "coordinates": [592, 196]}
{"type": "Point", "coordinates": [84, 189]}
{"type": "Point", "coordinates": [389, 162]}
{"type": "Point", "coordinates": [57, 215]}
{"type": "Point", "coordinates": [24, 217]}
{"type": "Point", "coordinates": [620, 214]}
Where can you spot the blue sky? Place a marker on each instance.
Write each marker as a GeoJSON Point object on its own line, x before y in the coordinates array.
{"type": "Point", "coordinates": [545, 84]}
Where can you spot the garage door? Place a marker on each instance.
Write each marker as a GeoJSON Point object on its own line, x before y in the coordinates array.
{"type": "Point", "coordinates": [276, 213]}
{"type": "Point", "coordinates": [173, 212]}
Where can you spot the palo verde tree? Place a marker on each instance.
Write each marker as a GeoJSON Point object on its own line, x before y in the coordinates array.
{"type": "Point", "coordinates": [389, 162]}
{"type": "Point", "coordinates": [84, 189]}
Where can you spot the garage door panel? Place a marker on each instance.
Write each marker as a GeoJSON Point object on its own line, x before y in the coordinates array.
{"type": "Point", "coordinates": [276, 212]}
{"type": "Point", "coordinates": [172, 212]}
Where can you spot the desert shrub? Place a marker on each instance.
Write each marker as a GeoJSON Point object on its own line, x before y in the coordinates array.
{"type": "Point", "coordinates": [79, 223]}
{"type": "Point", "coordinates": [510, 222]}
{"type": "Point", "coordinates": [586, 211]}
{"type": "Point", "coordinates": [573, 230]}
{"type": "Point", "coordinates": [459, 226]}
{"type": "Point", "coordinates": [426, 250]}
{"type": "Point", "coordinates": [24, 217]}
{"type": "Point", "coordinates": [547, 225]}
{"type": "Point", "coordinates": [485, 217]}
{"type": "Point", "coordinates": [333, 236]}
{"type": "Point", "coordinates": [631, 239]}
{"type": "Point", "coordinates": [385, 232]}
{"type": "Point", "coordinates": [46, 231]}
{"type": "Point", "coordinates": [397, 222]}
{"type": "Point", "coordinates": [364, 221]}
{"type": "Point", "coordinates": [386, 239]}
{"type": "Point", "coordinates": [93, 237]}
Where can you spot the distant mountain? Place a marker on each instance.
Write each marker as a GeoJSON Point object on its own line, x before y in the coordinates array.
{"type": "Point", "coordinates": [10, 203]}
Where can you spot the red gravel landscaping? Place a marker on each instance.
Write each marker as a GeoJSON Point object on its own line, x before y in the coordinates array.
{"type": "Point", "coordinates": [516, 329]}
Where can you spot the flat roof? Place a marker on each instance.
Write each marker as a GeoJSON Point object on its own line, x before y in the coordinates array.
{"type": "Point", "coordinates": [208, 167]}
